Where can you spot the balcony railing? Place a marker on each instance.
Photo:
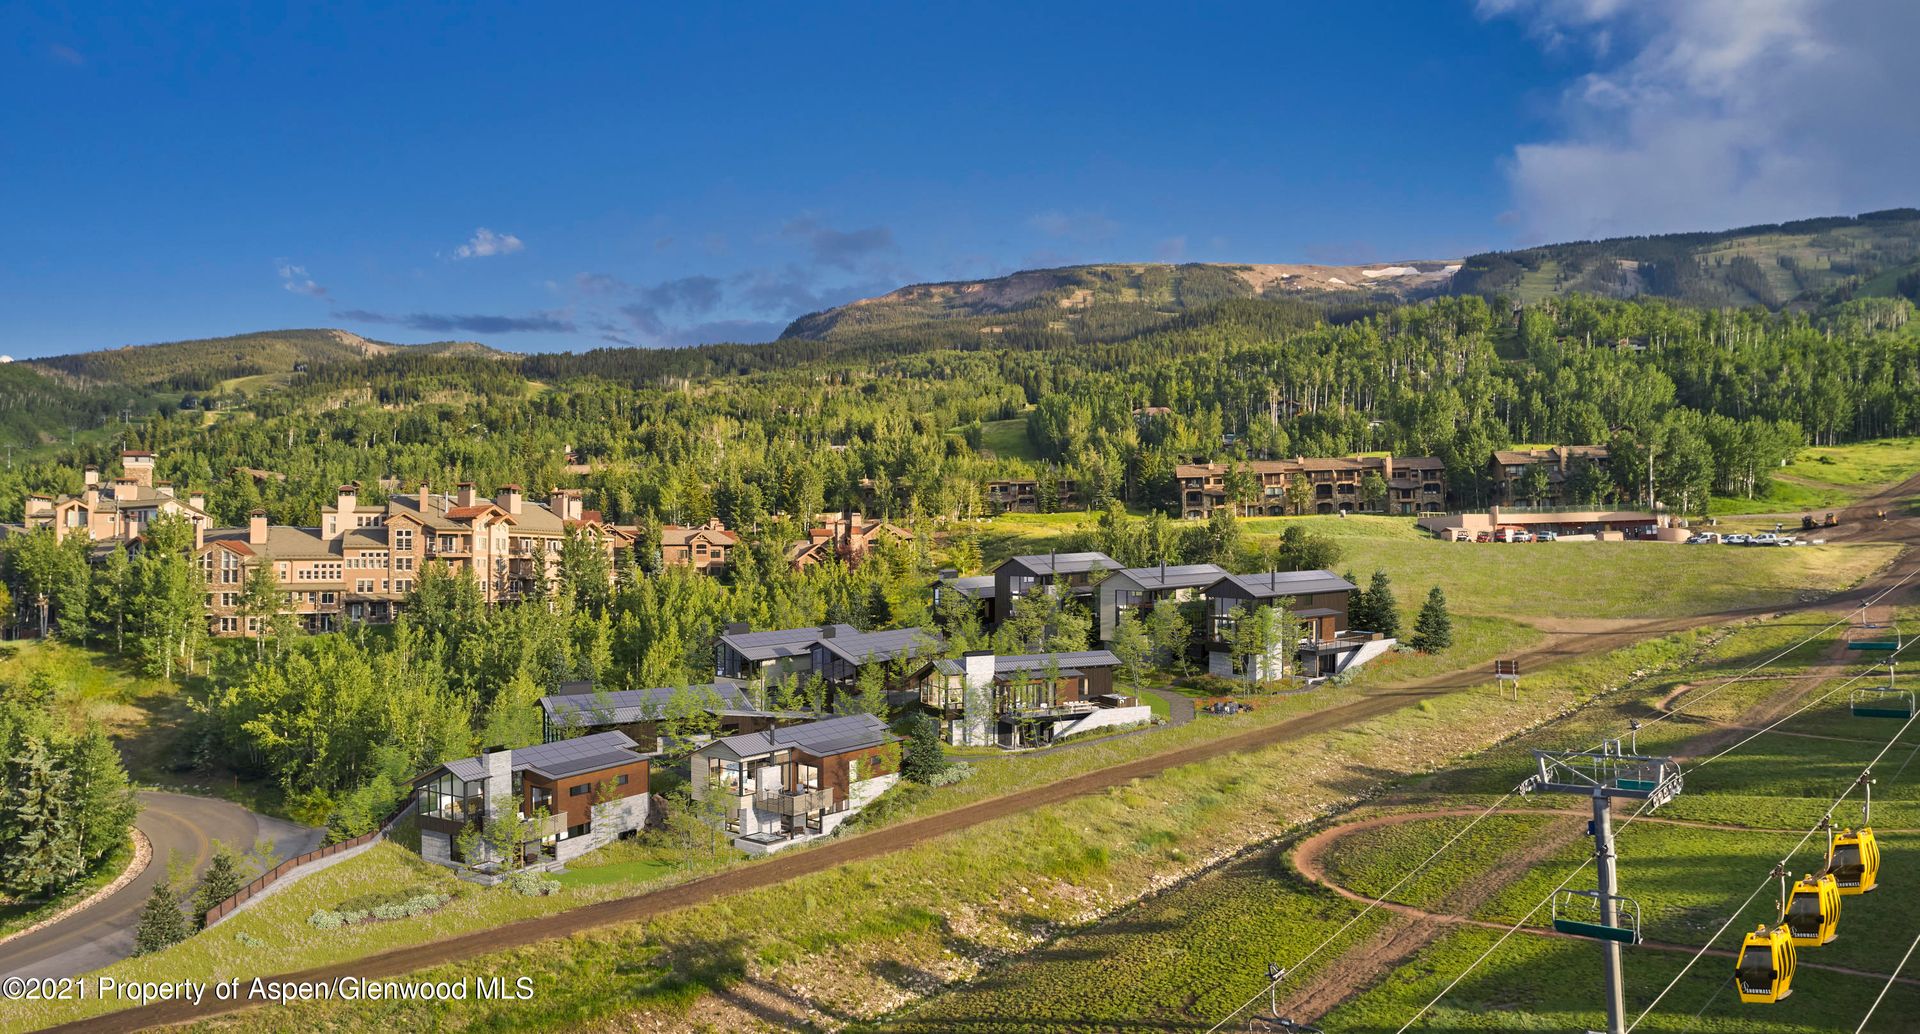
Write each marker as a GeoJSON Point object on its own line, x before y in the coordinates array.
{"type": "Point", "coordinates": [794, 802]}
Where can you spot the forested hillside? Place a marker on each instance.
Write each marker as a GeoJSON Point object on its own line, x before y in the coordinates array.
{"type": "Point", "coordinates": [1802, 264]}
{"type": "Point", "coordinates": [201, 364]}
{"type": "Point", "coordinates": [900, 427]}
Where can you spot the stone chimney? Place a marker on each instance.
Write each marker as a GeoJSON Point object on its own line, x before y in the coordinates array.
{"type": "Point", "coordinates": [165, 488]}
{"type": "Point", "coordinates": [91, 476]}
{"type": "Point", "coordinates": [124, 488]}
{"type": "Point", "coordinates": [499, 774]}
{"type": "Point", "coordinates": [138, 466]}
{"type": "Point", "coordinates": [510, 499]}
{"type": "Point", "coordinates": [92, 494]}
{"type": "Point", "coordinates": [468, 494]}
{"type": "Point", "coordinates": [976, 703]}
{"type": "Point", "coordinates": [197, 499]}
{"type": "Point", "coordinates": [1386, 466]}
{"type": "Point", "coordinates": [346, 500]}
{"type": "Point", "coordinates": [257, 528]}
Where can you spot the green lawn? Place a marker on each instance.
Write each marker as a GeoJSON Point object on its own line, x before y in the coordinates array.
{"type": "Point", "coordinates": [1007, 439]}
{"type": "Point", "coordinates": [1828, 477]}
{"type": "Point", "coordinates": [629, 862]}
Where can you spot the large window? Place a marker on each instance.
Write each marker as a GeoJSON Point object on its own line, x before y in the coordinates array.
{"type": "Point", "coordinates": [452, 798]}
{"type": "Point", "coordinates": [403, 540]}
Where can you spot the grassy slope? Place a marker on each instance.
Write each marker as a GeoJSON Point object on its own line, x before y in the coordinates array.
{"type": "Point", "coordinates": [1828, 477]}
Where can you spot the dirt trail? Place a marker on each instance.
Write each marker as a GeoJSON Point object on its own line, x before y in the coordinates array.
{"type": "Point", "coordinates": [1554, 649]}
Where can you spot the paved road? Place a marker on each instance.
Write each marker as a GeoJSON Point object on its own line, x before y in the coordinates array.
{"type": "Point", "coordinates": [179, 826]}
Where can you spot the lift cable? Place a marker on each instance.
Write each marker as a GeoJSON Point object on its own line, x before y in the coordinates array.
{"type": "Point", "coordinates": [1515, 928]}
{"type": "Point", "coordinates": [1371, 905]}
{"type": "Point", "coordinates": [1889, 985]}
{"type": "Point", "coordinates": [1824, 822]}
{"type": "Point", "coordinates": [1731, 679]}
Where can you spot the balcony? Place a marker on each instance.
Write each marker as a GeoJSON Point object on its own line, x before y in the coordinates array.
{"type": "Point", "coordinates": [790, 803]}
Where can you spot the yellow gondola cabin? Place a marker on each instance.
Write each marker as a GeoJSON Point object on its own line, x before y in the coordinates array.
{"type": "Point", "coordinates": [1813, 911]}
{"type": "Point", "coordinates": [1854, 861]}
{"type": "Point", "coordinates": [1764, 972]}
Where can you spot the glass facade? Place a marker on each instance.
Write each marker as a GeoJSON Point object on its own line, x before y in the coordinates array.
{"type": "Point", "coordinates": [453, 799]}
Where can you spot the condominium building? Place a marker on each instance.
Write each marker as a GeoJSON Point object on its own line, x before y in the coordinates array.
{"type": "Point", "coordinates": [1407, 485]}
{"type": "Point", "coordinates": [1510, 470]}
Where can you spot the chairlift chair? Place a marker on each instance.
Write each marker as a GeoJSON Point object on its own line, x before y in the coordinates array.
{"type": "Point", "coordinates": [1628, 932]}
{"type": "Point", "coordinates": [1870, 635]}
{"type": "Point", "coordinates": [1813, 911]}
{"type": "Point", "coordinates": [1854, 861]}
{"type": "Point", "coordinates": [1882, 702]}
{"type": "Point", "coordinates": [1763, 973]}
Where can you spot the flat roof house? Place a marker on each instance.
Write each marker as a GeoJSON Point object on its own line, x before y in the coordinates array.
{"type": "Point", "coordinates": [838, 659]}
{"type": "Point", "coordinates": [1318, 601]}
{"type": "Point", "coordinates": [1070, 573]}
{"type": "Point", "coordinates": [566, 778]}
{"type": "Point", "coordinates": [977, 590]}
{"type": "Point", "coordinates": [639, 712]}
{"type": "Point", "coordinates": [798, 783]}
{"type": "Point", "coordinates": [1136, 590]}
{"type": "Point", "coordinates": [1025, 699]}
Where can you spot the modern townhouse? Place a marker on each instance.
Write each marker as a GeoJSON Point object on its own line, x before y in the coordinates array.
{"type": "Point", "coordinates": [1072, 575]}
{"type": "Point", "coordinates": [1137, 590]}
{"type": "Point", "coordinates": [1024, 700]}
{"type": "Point", "coordinates": [789, 785]}
{"type": "Point", "coordinates": [1317, 600]}
{"type": "Point", "coordinates": [838, 660]}
{"type": "Point", "coordinates": [975, 590]}
{"type": "Point", "coordinates": [594, 789]}
{"type": "Point", "coordinates": [1408, 485]}
{"type": "Point", "coordinates": [771, 657]}
{"type": "Point", "coordinates": [639, 713]}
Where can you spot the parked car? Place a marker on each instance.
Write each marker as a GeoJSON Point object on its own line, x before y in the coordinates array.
{"type": "Point", "coordinates": [1704, 538]}
{"type": "Point", "coordinates": [1485, 536]}
{"type": "Point", "coordinates": [1734, 540]}
{"type": "Point", "coordinates": [1546, 536]}
{"type": "Point", "coordinates": [1767, 538]}
{"type": "Point", "coordinates": [1512, 535]}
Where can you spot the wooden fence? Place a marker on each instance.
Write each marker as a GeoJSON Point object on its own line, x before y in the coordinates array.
{"type": "Point", "coordinates": [273, 875]}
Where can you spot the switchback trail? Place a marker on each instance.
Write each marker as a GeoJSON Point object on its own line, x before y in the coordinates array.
{"type": "Point", "coordinates": [1554, 649]}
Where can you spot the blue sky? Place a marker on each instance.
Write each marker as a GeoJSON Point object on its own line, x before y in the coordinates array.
{"type": "Point", "coordinates": [563, 177]}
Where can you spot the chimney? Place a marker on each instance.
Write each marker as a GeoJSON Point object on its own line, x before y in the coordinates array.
{"type": "Point", "coordinates": [197, 499]}
{"type": "Point", "coordinates": [499, 774]}
{"type": "Point", "coordinates": [1387, 463]}
{"type": "Point", "coordinates": [346, 500]}
{"type": "Point", "coordinates": [827, 631]}
{"type": "Point", "coordinates": [137, 466]}
{"type": "Point", "coordinates": [975, 727]}
{"type": "Point", "coordinates": [738, 628]}
{"type": "Point", "coordinates": [91, 476]}
{"type": "Point", "coordinates": [467, 493]}
{"type": "Point", "coordinates": [257, 528]}
{"type": "Point", "coordinates": [92, 494]}
{"type": "Point", "coordinates": [426, 490]}
{"type": "Point", "coordinates": [124, 488]}
{"type": "Point", "coordinates": [165, 488]}
{"type": "Point", "coordinates": [510, 499]}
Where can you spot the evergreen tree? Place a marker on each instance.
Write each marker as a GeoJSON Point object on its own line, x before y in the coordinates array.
{"type": "Point", "coordinates": [1383, 609]}
{"type": "Point", "coordinates": [220, 882]}
{"type": "Point", "coordinates": [36, 824]}
{"type": "Point", "coordinates": [1171, 633]}
{"type": "Point", "coordinates": [1359, 603]}
{"type": "Point", "coordinates": [161, 922]}
{"type": "Point", "coordinates": [1433, 629]}
{"type": "Point", "coordinates": [923, 758]}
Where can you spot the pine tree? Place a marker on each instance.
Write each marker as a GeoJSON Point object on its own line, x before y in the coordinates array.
{"type": "Point", "coordinates": [161, 922]}
{"type": "Point", "coordinates": [1359, 604]}
{"type": "Point", "coordinates": [1133, 646]}
{"type": "Point", "coordinates": [1383, 609]}
{"type": "Point", "coordinates": [220, 882]}
{"type": "Point", "coordinates": [1433, 629]}
{"type": "Point", "coordinates": [923, 759]}
{"type": "Point", "coordinates": [36, 823]}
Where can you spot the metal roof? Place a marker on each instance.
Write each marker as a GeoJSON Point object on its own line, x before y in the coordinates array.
{"type": "Point", "coordinates": [781, 642]}
{"type": "Point", "coordinates": [885, 645]}
{"type": "Point", "coordinates": [822, 738]}
{"type": "Point", "coordinates": [1181, 576]}
{"type": "Point", "coordinates": [978, 586]}
{"type": "Point", "coordinates": [636, 705]}
{"type": "Point", "coordinates": [1066, 563]}
{"type": "Point", "coordinates": [1043, 661]}
{"type": "Point", "coordinates": [1286, 583]}
{"type": "Point", "coordinates": [593, 753]}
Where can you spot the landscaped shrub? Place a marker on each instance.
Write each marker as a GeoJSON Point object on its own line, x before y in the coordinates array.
{"type": "Point", "coordinates": [248, 940]}
{"type": "Point", "coordinates": [532, 884]}
{"type": "Point", "coordinates": [418, 904]}
{"type": "Point", "coordinates": [951, 774]}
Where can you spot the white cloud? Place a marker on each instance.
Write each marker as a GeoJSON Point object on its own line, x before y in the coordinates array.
{"type": "Point", "coordinates": [1707, 114]}
{"type": "Point", "coordinates": [485, 243]}
{"type": "Point", "coordinates": [294, 278]}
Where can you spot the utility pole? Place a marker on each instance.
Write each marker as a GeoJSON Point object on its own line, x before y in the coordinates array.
{"type": "Point", "coordinates": [1612, 771]}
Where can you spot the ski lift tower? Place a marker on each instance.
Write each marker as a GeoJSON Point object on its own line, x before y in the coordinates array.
{"type": "Point", "coordinates": [1602, 775]}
